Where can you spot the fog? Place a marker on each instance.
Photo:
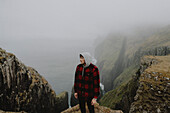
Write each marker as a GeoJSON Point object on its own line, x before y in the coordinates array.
{"type": "Point", "coordinates": [77, 18]}
{"type": "Point", "coordinates": [48, 34]}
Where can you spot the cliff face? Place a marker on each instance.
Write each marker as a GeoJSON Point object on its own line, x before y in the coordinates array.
{"type": "Point", "coordinates": [107, 53]}
{"type": "Point", "coordinates": [119, 55]}
{"type": "Point", "coordinates": [122, 97]}
{"type": "Point", "coordinates": [153, 93]}
{"type": "Point", "coordinates": [148, 91]}
{"type": "Point", "coordinates": [131, 64]}
{"type": "Point", "coordinates": [24, 89]}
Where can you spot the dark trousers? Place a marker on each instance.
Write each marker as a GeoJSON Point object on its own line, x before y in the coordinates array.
{"type": "Point", "coordinates": [82, 104]}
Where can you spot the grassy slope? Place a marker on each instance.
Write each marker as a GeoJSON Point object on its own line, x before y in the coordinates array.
{"type": "Point", "coordinates": [114, 97]}
{"type": "Point", "coordinates": [109, 51]}
{"type": "Point", "coordinates": [125, 76]}
{"type": "Point", "coordinates": [160, 38]}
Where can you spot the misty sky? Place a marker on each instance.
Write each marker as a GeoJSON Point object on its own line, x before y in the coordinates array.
{"type": "Point", "coordinates": [69, 19]}
{"type": "Point", "coordinates": [35, 30]}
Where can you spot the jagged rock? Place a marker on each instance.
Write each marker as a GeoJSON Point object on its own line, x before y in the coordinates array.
{"type": "Point", "coordinates": [24, 89]}
{"type": "Point", "coordinates": [153, 93]}
{"type": "Point", "coordinates": [62, 100]}
{"type": "Point", "coordinates": [73, 100]}
{"type": "Point", "coordinates": [143, 93]}
{"type": "Point", "coordinates": [97, 108]}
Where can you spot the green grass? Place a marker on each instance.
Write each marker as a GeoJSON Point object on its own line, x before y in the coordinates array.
{"type": "Point", "coordinates": [125, 76]}
{"type": "Point", "coordinates": [114, 98]}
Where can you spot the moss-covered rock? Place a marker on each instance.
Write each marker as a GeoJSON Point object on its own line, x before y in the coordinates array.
{"type": "Point", "coordinates": [24, 89]}
{"type": "Point", "coordinates": [122, 96]}
{"type": "Point", "coordinates": [148, 91]}
{"type": "Point", "coordinates": [153, 94]}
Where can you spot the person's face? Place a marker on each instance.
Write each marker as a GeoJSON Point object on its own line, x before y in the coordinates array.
{"type": "Point", "coordinates": [82, 60]}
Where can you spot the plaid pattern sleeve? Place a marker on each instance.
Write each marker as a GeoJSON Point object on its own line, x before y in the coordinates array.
{"type": "Point", "coordinates": [76, 80]}
{"type": "Point", "coordinates": [96, 81]}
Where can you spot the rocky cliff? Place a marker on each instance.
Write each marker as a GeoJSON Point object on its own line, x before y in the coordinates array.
{"type": "Point", "coordinates": [153, 93]}
{"type": "Point", "coordinates": [147, 92]}
{"type": "Point", "coordinates": [122, 97]}
{"type": "Point", "coordinates": [119, 54]}
{"type": "Point", "coordinates": [106, 53]}
{"type": "Point", "coordinates": [24, 89]}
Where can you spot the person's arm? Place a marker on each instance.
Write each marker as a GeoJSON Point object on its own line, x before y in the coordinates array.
{"type": "Point", "coordinates": [96, 81]}
{"type": "Point", "coordinates": [75, 80]}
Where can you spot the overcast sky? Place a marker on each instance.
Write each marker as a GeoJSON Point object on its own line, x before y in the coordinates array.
{"type": "Point", "coordinates": [24, 22]}
{"type": "Point", "coordinates": [70, 19]}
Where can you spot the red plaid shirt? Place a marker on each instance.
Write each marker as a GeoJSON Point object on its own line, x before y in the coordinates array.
{"type": "Point", "coordinates": [87, 85]}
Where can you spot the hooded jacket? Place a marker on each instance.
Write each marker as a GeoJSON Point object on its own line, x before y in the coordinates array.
{"type": "Point", "coordinates": [88, 59]}
{"type": "Point", "coordinates": [87, 80]}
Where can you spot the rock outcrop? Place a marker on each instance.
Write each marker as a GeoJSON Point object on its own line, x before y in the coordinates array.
{"type": "Point", "coordinates": [153, 94]}
{"type": "Point", "coordinates": [147, 92]}
{"type": "Point", "coordinates": [24, 89]}
{"type": "Point", "coordinates": [73, 100]}
{"type": "Point", "coordinates": [97, 108]}
{"type": "Point", "coordinates": [62, 100]}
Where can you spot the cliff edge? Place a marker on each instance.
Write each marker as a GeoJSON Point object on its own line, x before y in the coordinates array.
{"type": "Point", "coordinates": [153, 93]}
{"type": "Point", "coordinates": [24, 89]}
{"type": "Point", "coordinates": [147, 92]}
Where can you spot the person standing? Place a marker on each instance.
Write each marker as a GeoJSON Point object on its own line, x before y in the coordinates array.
{"type": "Point", "coordinates": [87, 82]}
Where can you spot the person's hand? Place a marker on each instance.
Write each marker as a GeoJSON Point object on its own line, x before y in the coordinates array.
{"type": "Point", "coordinates": [75, 95]}
{"type": "Point", "coordinates": [93, 101]}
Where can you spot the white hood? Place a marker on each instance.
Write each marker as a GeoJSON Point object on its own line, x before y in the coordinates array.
{"type": "Point", "coordinates": [88, 58]}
